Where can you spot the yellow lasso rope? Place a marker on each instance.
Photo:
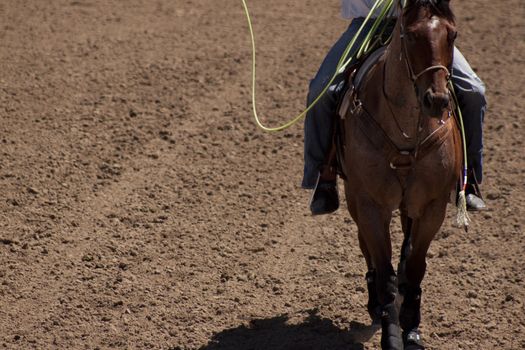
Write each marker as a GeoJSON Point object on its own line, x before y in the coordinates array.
{"type": "Point", "coordinates": [341, 66]}
{"type": "Point", "coordinates": [462, 217]}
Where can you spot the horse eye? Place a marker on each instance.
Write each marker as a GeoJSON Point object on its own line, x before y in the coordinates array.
{"type": "Point", "coordinates": [452, 36]}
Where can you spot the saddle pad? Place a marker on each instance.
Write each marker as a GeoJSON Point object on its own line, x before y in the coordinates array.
{"type": "Point", "coordinates": [369, 62]}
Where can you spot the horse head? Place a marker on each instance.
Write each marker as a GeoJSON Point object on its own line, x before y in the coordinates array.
{"type": "Point", "coordinates": [428, 32]}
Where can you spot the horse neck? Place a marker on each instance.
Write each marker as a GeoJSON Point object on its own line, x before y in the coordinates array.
{"type": "Point", "coordinates": [399, 92]}
{"type": "Point", "coordinates": [402, 112]}
{"type": "Point", "coordinates": [398, 87]}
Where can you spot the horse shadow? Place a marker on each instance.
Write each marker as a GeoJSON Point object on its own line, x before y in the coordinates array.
{"type": "Point", "coordinates": [314, 333]}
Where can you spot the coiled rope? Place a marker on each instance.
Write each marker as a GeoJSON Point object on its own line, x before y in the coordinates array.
{"type": "Point", "coordinates": [346, 59]}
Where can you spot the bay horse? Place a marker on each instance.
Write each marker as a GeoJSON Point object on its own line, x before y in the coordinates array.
{"type": "Point", "coordinates": [401, 149]}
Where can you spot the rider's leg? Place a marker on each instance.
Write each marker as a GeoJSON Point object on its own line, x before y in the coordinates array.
{"type": "Point", "coordinates": [470, 91]}
{"type": "Point", "coordinates": [318, 124]}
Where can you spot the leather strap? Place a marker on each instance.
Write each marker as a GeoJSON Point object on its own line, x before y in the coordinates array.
{"type": "Point", "coordinates": [402, 161]}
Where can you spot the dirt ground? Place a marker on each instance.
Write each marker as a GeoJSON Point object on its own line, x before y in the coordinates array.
{"type": "Point", "coordinates": [141, 208]}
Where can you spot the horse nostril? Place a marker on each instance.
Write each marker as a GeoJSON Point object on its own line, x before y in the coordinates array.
{"type": "Point", "coordinates": [446, 101]}
{"type": "Point", "coordinates": [428, 99]}
{"type": "Point", "coordinates": [442, 100]}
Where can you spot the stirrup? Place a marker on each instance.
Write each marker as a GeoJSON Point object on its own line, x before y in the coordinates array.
{"type": "Point", "coordinates": [475, 201]}
{"type": "Point", "coordinates": [325, 197]}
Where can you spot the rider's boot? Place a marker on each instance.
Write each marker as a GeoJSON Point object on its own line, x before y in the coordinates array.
{"type": "Point", "coordinates": [474, 198]}
{"type": "Point", "coordinates": [325, 198]}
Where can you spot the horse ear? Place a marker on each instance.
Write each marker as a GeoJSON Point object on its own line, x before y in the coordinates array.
{"type": "Point", "coordinates": [443, 2]}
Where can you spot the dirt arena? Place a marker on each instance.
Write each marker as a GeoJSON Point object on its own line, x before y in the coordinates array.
{"type": "Point", "coordinates": [141, 208]}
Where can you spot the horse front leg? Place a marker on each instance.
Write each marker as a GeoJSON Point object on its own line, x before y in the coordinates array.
{"type": "Point", "coordinates": [374, 222]}
{"type": "Point", "coordinates": [373, 306]}
{"type": "Point", "coordinates": [419, 234]}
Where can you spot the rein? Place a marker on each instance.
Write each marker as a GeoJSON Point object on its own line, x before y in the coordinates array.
{"type": "Point", "coordinates": [431, 68]}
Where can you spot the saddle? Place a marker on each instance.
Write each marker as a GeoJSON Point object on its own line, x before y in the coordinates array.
{"type": "Point", "coordinates": [350, 85]}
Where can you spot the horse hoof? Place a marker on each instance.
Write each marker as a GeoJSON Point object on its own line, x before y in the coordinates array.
{"type": "Point", "coordinates": [412, 340]}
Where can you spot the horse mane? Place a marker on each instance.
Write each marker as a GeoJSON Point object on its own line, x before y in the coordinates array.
{"type": "Point", "coordinates": [440, 8]}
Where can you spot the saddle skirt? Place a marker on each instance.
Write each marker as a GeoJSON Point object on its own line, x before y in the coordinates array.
{"type": "Point", "coordinates": [360, 69]}
{"type": "Point", "coordinates": [367, 64]}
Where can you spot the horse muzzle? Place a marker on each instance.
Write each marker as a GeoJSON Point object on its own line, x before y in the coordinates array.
{"type": "Point", "coordinates": [434, 104]}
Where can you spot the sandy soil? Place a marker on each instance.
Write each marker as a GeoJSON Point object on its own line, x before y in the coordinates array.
{"type": "Point", "coordinates": [141, 208]}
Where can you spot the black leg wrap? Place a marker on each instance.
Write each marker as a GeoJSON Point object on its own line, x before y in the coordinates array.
{"type": "Point", "coordinates": [410, 314]}
{"type": "Point", "coordinates": [373, 306]}
{"type": "Point", "coordinates": [391, 332]}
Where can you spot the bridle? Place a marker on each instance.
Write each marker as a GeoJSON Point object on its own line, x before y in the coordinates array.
{"type": "Point", "coordinates": [413, 77]}
{"type": "Point", "coordinates": [411, 74]}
